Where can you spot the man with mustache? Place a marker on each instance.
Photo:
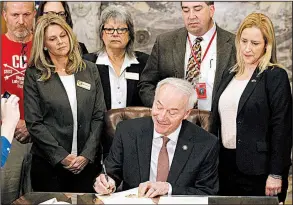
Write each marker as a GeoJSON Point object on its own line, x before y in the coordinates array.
{"type": "Point", "coordinates": [163, 154]}
{"type": "Point", "coordinates": [198, 52]}
{"type": "Point", "coordinates": [16, 46]}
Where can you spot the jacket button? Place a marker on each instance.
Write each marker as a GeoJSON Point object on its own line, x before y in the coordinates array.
{"type": "Point", "coordinates": [239, 122]}
{"type": "Point", "coordinates": [238, 141]}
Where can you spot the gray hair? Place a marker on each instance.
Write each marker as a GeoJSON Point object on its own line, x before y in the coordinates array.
{"type": "Point", "coordinates": [184, 86]}
{"type": "Point", "coordinates": [5, 5]}
{"type": "Point", "coordinates": [120, 14]}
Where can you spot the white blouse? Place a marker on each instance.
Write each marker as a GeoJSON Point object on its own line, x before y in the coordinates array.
{"type": "Point", "coordinates": [118, 83]}
{"type": "Point", "coordinates": [69, 85]}
{"type": "Point", "coordinates": [228, 107]}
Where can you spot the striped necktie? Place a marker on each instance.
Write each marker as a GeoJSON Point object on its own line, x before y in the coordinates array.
{"type": "Point", "coordinates": [192, 72]}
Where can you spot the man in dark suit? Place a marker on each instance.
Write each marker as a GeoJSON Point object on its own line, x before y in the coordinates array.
{"type": "Point", "coordinates": [163, 154]}
{"type": "Point", "coordinates": [172, 54]}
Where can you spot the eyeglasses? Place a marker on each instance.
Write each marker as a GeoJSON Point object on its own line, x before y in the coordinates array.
{"type": "Point", "coordinates": [112, 30]}
{"type": "Point", "coordinates": [23, 52]}
{"type": "Point", "coordinates": [61, 13]}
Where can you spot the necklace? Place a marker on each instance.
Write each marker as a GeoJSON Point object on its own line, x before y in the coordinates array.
{"type": "Point", "coordinates": [60, 70]}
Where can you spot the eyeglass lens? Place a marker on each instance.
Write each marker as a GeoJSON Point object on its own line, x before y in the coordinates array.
{"type": "Point", "coordinates": [61, 13]}
{"type": "Point", "coordinates": [118, 30]}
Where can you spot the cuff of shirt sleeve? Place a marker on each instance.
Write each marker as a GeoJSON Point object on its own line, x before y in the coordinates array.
{"type": "Point", "coordinates": [275, 176]}
{"type": "Point", "coordinates": [170, 189]}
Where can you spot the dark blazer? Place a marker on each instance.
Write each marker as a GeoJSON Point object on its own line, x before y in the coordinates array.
{"type": "Point", "coordinates": [193, 171]}
{"type": "Point", "coordinates": [167, 60]}
{"type": "Point", "coordinates": [132, 98]}
{"type": "Point", "coordinates": [49, 118]}
{"type": "Point", "coordinates": [264, 122]}
{"type": "Point", "coordinates": [83, 48]}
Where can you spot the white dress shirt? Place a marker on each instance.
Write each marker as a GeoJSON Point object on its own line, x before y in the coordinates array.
{"type": "Point", "coordinates": [69, 85]}
{"type": "Point", "coordinates": [208, 65]}
{"type": "Point", "coordinates": [118, 84]}
{"type": "Point", "coordinates": [228, 108]}
{"type": "Point", "coordinates": [156, 147]}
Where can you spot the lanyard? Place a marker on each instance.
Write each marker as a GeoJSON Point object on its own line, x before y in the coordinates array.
{"type": "Point", "coordinates": [192, 51]}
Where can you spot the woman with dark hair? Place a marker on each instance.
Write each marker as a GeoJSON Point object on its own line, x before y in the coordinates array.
{"type": "Point", "coordinates": [119, 65]}
{"type": "Point", "coordinates": [61, 9]}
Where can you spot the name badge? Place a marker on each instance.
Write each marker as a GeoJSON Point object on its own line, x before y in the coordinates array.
{"type": "Point", "coordinates": [84, 85]}
{"type": "Point", "coordinates": [201, 90]}
{"type": "Point", "coordinates": [131, 76]}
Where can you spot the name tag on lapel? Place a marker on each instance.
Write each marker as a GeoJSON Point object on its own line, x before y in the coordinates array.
{"type": "Point", "coordinates": [84, 85]}
{"type": "Point", "coordinates": [131, 76]}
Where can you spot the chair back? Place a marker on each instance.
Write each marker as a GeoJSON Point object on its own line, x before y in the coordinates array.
{"type": "Point", "coordinates": [114, 116]}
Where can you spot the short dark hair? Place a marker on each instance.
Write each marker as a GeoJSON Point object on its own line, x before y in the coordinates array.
{"type": "Point", "coordinates": [207, 2]}
{"type": "Point", "coordinates": [68, 19]}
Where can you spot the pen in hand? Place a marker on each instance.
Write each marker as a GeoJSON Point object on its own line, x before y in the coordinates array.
{"type": "Point", "coordinates": [104, 170]}
{"type": "Point", "coordinates": [106, 176]}
{"type": "Point", "coordinates": [103, 165]}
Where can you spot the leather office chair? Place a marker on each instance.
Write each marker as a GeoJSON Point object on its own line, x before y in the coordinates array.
{"type": "Point", "coordinates": [114, 116]}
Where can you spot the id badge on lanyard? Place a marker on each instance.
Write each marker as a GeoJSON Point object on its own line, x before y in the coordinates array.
{"type": "Point", "coordinates": [201, 90]}
{"type": "Point", "coordinates": [201, 87]}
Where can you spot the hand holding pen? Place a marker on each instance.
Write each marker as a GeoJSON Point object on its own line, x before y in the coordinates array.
{"type": "Point", "coordinates": [104, 184]}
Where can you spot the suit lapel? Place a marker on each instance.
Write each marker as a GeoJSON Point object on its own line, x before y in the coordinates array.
{"type": "Point", "coordinates": [81, 93]}
{"type": "Point", "coordinates": [224, 49]}
{"type": "Point", "coordinates": [131, 83]}
{"type": "Point", "coordinates": [249, 89]}
{"type": "Point", "coordinates": [179, 53]}
{"type": "Point", "coordinates": [181, 154]}
{"type": "Point", "coordinates": [224, 83]}
{"type": "Point", "coordinates": [144, 143]}
{"type": "Point", "coordinates": [105, 79]}
{"type": "Point", "coordinates": [62, 96]}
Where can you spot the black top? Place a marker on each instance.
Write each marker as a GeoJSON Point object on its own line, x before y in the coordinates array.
{"type": "Point", "coordinates": [83, 48]}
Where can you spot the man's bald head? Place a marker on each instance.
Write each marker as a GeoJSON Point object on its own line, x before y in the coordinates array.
{"type": "Point", "coordinates": [5, 3]}
{"type": "Point", "coordinates": [19, 17]}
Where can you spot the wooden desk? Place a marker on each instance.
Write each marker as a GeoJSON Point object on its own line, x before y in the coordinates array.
{"type": "Point", "coordinates": [74, 198]}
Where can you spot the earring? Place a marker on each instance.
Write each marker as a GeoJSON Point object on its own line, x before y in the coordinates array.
{"type": "Point", "coordinates": [45, 48]}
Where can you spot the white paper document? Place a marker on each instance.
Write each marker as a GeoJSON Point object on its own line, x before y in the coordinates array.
{"type": "Point", "coordinates": [54, 201]}
{"type": "Point", "coordinates": [183, 200]}
{"type": "Point", "coordinates": [125, 198]}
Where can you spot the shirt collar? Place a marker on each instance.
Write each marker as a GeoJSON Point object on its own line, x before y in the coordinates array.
{"type": "Point", "coordinates": [103, 59]}
{"type": "Point", "coordinates": [173, 136]}
{"type": "Point", "coordinates": [206, 37]}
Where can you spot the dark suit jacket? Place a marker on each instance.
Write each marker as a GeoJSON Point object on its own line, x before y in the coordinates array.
{"type": "Point", "coordinates": [49, 118]}
{"type": "Point", "coordinates": [167, 60]}
{"type": "Point", "coordinates": [132, 98]}
{"type": "Point", "coordinates": [193, 171]}
{"type": "Point", "coordinates": [83, 48]}
{"type": "Point", "coordinates": [264, 122]}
